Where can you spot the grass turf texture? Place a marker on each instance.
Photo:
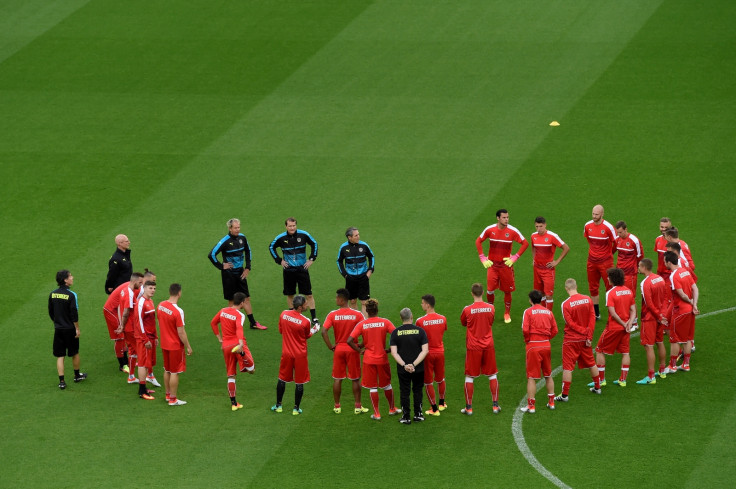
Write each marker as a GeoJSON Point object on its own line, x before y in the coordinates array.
{"type": "Point", "coordinates": [412, 121]}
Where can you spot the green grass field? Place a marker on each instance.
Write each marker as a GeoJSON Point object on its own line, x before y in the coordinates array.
{"type": "Point", "coordinates": [414, 121]}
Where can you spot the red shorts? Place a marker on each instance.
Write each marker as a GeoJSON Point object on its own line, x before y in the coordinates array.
{"type": "Point", "coordinates": [651, 332]}
{"type": "Point", "coordinates": [596, 272]}
{"type": "Point", "coordinates": [174, 361]}
{"type": "Point", "coordinates": [480, 362]}
{"type": "Point", "coordinates": [576, 352]}
{"type": "Point", "coordinates": [682, 329]}
{"type": "Point", "coordinates": [113, 322]}
{"type": "Point", "coordinates": [630, 283]}
{"type": "Point", "coordinates": [501, 277]}
{"type": "Point", "coordinates": [294, 369]}
{"type": "Point", "coordinates": [146, 357]}
{"type": "Point", "coordinates": [130, 343]}
{"type": "Point", "coordinates": [345, 361]}
{"type": "Point", "coordinates": [434, 367]}
{"type": "Point", "coordinates": [544, 281]}
{"type": "Point", "coordinates": [376, 376]}
{"type": "Point", "coordinates": [538, 360]}
{"type": "Point", "coordinates": [612, 342]}
{"type": "Point", "coordinates": [236, 361]}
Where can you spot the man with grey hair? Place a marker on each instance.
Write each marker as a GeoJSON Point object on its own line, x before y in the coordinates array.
{"type": "Point", "coordinates": [409, 346]}
{"type": "Point", "coordinates": [355, 262]}
{"type": "Point", "coordinates": [119, 268]}
{"type": "Point", "coordinates": [235, 267]}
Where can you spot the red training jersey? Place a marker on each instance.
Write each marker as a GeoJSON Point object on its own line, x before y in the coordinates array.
{"type": "Point", "coordinates": [621, 298]}
{"type": "Point", "coordinates": [501, 241]}
{"type": "Point", "coordinates": [682, 279]}
{"type": "Point", "coordinates": [170, 318]}
{"type": "Point", "coordinates": [294, 329]}
{"type": "Point", "coordinates": [128, 301]}
{"type": "Point", "coordinates": [601, 240]}
{"type": "Point", "coordinates": [544, 247]}
{"type": "Point", "coordinates": [629, 254]}
{"type": "Point", "coordinates": [538, 325]}
{"type": "Point", "coordinates": [144, 320]}
{"type": "Point", "coordinates": [113, 301]}
{"type": "Point", "coordinates": [231, 320]}
{"type": "Point", "coordinates": [435, 326]}
{"type": "Point", "coordinates": [579, 315]}
{"type": "Point", "coordinates": [374, 331]}
{"type": "Point", "coordinates": [686, 251]}
{"type": "Point", "coordinates": [660, 246]}
{"type": "Point", "coordinates": [654, 298]}
{"type": "Point", "coordinates": [478, 318]}
{"type": "Point", "coordinates": [343, 321]}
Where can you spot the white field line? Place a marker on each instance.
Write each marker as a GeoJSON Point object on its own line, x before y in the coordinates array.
{"type": "Point", "coordinates": [517, 427]}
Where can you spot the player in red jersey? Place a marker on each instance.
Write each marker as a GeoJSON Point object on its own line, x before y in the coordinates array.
{"type": "Point", "coordinates": [345, 361]}
{"type": "Point", "coordinates": [500, 261]}
{"type": "Point", "coordinates": [480, 354]}
{"type": "Point", "coordinates": [149, 276]}
{"type": "Point", "coordinates": [128, 297]}
{"type": "Point", "coordinates": [376, 370]}
{"type": "Point", "coordinates": [232, 341]}
{"type": "Point", "coordinates": [544, 245]}
{"type": "Point", "coordinates": [616, 335]}
{"type": "Point", "coordinates": [672, 235]}
{"type": "Point", "coordinates": [684, 310]}
{"type": "Point", "coordinates": [601, 244]}
{"type": "Point", "coordinates": [174, 343]}
{"type": "Point", "coordinates": [144, 329]}
{"type": "Point", "coordinates": [295, 330]}
{"type": "Point", "coordinates": [659, 248]}
{"type": "Point", "coordinates": [111, 312]}
{"type": "Point", "coordinates": [539, 327]}
{"type": "Point", "coordinates": [654, 297]}
{"type": "Point", "coordinates": [435, 326]}
{"type": "Point", "coordinates": [579, 316]}
{"type": "Point", "coordinates": [629, 253]}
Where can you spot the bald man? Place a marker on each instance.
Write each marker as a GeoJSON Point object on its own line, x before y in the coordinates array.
{"type": "Point", "coordinates": [119, 266]}
{"type": "Point", "coordinates": [601, 238]}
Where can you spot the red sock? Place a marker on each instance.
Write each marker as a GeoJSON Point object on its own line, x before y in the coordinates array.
{"type": "Point", "coordinates": [602, 373]}
{"type": "Point", "coordinates": [490, 297]}
{"type": "Point", "coordinates": [469, 393]}
{"type": "Point", "coordinates": [686, 359]}
{"type": "Point", "coordinates": [661, 368]}
{"type": "Point", "coordinates": [673, 362]}
{"type": "Point", "coordinates": [624, 373]}
{"type": "Point", "coordinates": [231, 388]}
{"type": "Point", "coordinates": [172, 399]}
{"type": "Point", "coordinates": [132, 363]}
{"type": "Point", "coordinates": [551, 399]}
{"type": "Point", "coordinates": [507, 302]}
{"type": "Point", "coordinates": [493, 384]}
{"type": "Point", "coordinates": [374, 401]}
{"type": "Point", "coordinates": [430, 394]}
{"type": "Point", "coordinates": [566, 387]}
{"type": "Point", "coordinates": [651, 374]}
{"type": "Point", "coordinates": [119, 348]}
{"type": "Point", "coordinates": [389, 393]}
{"type": "Point", "coordinates": [550, 305]}
{"type": "Point", "coordinates": [531, 403]}
{"type": "Point", "coordinates": [441, 386]}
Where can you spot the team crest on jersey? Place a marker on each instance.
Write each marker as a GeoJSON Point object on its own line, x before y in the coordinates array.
{"type": "Point", "coordinates": [507, 235]}
{"type": "Point", "coordinates": [360, 249]}
{"type": "Point", "coordinates": [628, 244]}
{"type": "Point", "coordinates": [298, 240]}
{"type": "Point", "coordinates": [240, 241]}
{"type": "Point", "coordinates": [603, 231]}
{"type": "Point", "coordinates": [546, 239]}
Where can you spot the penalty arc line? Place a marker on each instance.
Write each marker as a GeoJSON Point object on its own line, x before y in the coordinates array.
{"type": "Point", "coordinates": [518, 432]}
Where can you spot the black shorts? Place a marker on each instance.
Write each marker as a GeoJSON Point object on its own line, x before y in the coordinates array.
{"type": "Point", "coordinates": [232, 283]}
{"type": "Point", "coordinates": [294, 277]}
{"type": "Point", "coordinates": [359, 287]}
{"type": "Point", "coordinates": [65, 343]}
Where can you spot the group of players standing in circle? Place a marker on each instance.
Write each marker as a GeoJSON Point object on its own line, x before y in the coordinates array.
{"type": "Point", "coordinates": [669, 304]}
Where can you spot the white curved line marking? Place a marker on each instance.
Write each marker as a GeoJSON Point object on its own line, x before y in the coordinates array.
{"type": "Point", "coordinates": [518, 432]}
